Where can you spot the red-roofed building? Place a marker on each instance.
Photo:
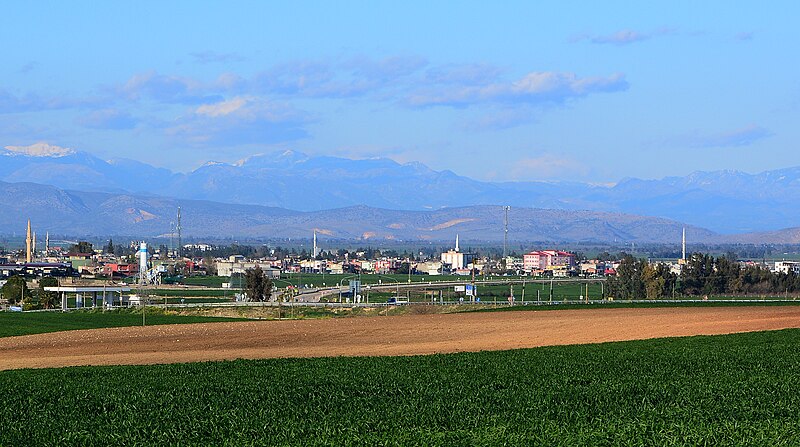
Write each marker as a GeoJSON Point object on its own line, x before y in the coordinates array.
{"type": "Point", "coordinates": [120, 269]}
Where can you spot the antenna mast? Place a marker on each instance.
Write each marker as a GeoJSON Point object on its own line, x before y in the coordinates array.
{"type": "Point", "coordinates": [178, 229]}
{"type": "Point", "coordinates": [505, 233]}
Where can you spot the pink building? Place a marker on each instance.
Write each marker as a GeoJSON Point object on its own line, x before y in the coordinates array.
{"type": "Point", "coordinates": [544, 259]}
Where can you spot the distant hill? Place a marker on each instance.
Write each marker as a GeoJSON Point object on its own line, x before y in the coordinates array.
{"type": "Point", "coordinates": [88, 213]}
{"type": "Point", "coordinates": [723, 201]}
{"type": "Point", "coordinates": [785, 236]}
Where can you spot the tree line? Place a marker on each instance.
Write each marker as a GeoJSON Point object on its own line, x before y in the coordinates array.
{"type": "Point", "coordinates": [702, 275]}
{"type": "Point", "coordinates": [17, 293]}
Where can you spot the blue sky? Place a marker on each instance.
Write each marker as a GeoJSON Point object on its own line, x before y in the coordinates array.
{"type": "Point", "coordinates": [589, 91]}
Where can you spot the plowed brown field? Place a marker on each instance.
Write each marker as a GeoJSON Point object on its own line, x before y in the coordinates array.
{"type": "Point", "coordinates": [401, 335]}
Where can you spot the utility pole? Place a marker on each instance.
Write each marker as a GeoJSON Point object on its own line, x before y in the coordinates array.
{"type": "Point", "coordinates": [473, 282]}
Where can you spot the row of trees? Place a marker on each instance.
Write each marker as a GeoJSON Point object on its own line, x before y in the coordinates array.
{"type": "Point", "coordinates": [702, 275]}
{"type": "Point", "coordinates": [16, 291]}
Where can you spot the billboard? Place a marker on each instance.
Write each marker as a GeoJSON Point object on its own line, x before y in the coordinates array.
{"type": "Point", "coordinates": [460, 289]}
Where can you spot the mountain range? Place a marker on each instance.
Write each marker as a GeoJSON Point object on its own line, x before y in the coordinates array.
{"type": "Point", "coordinates": [90, 213]}
{"type": "Point", "coordinates": [725, 202]}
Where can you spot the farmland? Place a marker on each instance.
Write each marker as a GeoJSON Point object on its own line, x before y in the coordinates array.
{"type": "Point", "coordinates": [409, 334]}
{"type": "Point", "coordinates": [319, 280]}
{"type": "Point", "coordinates": [713, 390]}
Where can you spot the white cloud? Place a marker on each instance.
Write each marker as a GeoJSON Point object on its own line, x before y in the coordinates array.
{"type": "Point", "coordinates": [465, 74]}
{"type": "Point", "coordinates": [222, 108]}
{"type": "Point", "coordinates": [535, 87]}
{"type": "Point", "coordinates": [623, 37]}
{"type": "Point", "coordinates": [167, 89]}
{"type": "Point", "coordinates": [241, 120]}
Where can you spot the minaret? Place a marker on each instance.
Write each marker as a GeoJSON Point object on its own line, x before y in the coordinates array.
{"type": "Point", "coordinates": [28, 241]}
{"type": "Point", "coordinates": [46, 243]}
{"type": "Point", "coordinates": [683, 245]}
{"type": "Point", "coordinates": [314, 253]}
{"type": "Point", "coordinates": [33, 248]}
{"type": "Point", "coordinates": [456, 242]}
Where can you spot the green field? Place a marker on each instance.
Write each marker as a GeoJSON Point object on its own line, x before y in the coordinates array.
{"type": "Point", "coordinates": [26, 323]}
{"type": "Point", "coordinates": [196, 293]}
{"type": "Point", "coordinates": [741, 389]}
{"type": "Point", "coordinates": [326, 280]}
{"type": "Point", "coordinates": [572, 291]}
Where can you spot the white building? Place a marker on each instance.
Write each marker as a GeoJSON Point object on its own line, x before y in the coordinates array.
{"type": "Point", "coordinates": [430, 268]}
{"type": "Point", "coordinates": [456, 259]}
{"type": "Point", "coordinates": [787, 267]}
{"type": "Point", "coordinates": [228, 268]}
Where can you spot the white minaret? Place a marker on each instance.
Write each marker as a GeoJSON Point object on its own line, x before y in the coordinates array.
{"type": "Point", "coordinates": [315, 253]}
{"type": "Point", "coordinates": [456, 242]}
{"type": "Point", "coordinates": [33, 248]}
{"type": "Point", "coordinates": [683, 245]}
{"type": "Point", "coordinates": [47, 243]}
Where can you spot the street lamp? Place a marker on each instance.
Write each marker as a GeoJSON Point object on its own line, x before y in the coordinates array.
{"type": "Point", "coordinates": [397, 283]}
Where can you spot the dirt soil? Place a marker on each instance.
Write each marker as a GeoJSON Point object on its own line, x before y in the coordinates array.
{"type": "Point", "coordinates": [372, 336]}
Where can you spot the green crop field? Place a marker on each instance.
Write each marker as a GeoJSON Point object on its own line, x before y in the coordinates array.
{"type": "Point", "coordinates": [194, 293]}
{"type": "Point", "coordinates": [26, 323]}
{"type": "Point", "coordinates": [328, 280]}
{"type": "Point", "coordinates": [573, 291]}
{"type": "Point", "coordinates": [741, 389]}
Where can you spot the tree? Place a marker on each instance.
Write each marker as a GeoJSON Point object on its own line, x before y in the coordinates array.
{"type": "Point", "coordinates": [258, 286]}
{"type": "Point", "coordinates": [696, 272]}
{"type": "Point", "coordinates": [210, 265]}
{"type": "Point", "coordinates": [82, 247]}
{"type": "Point", "coordinates": [658, 281]}
{"type": "Point", "coordinates": [47, 299]}
{"type": "Point", "coordinates": [16, 290]}
{"type": "Point", "coordinates": [404, 268]}
{"type": "Point", "coordinates": [110, 247]}
{"type": "Point", "coordinates": [606, 256]}
{"type": "Point", "coordinates": [628, 284]}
